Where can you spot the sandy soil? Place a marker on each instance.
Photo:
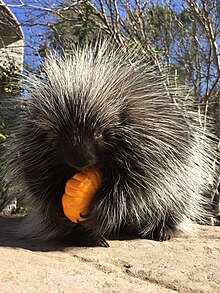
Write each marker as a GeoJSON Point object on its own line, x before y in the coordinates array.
{"type": "Point", "coordinates": [184, 264]}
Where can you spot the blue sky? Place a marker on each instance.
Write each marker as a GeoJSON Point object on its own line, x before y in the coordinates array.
{"type": "Point", "coordinates": [32, 12]}
{"type": "Point", "coordinates": [28, 15]}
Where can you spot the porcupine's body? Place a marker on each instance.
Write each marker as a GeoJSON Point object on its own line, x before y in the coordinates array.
{"type": "Point", "coordinates": [114, 114]}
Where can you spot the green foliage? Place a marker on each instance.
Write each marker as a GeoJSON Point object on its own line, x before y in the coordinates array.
{"type": "Point", "coordinates": [9, 85]}
{"type": "Point", "coordinates": [2, 151]}
{"type": "Point", "coordinates": [19, 210]}
{"type": "Point", "coordinates": [8, 73]}
{"type": "Point", "coordinates": [72, 28]}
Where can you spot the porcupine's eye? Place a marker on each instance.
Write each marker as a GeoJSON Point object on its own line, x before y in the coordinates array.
{"type": "Point", "coordinates": [98, 136]}
{"type": "Point", "coordinates": [101, 138]}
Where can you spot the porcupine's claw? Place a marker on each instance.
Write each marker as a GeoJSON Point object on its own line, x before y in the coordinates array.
{"type": "Point", "coordinates": [164, 231]}
{"type": "Point", "coordinates": [103, 242]}
{"type": "Point", "coordinates": [97, 241]}
{"type": "Point", "coordinates": [83, 216]}
{"type": "Point", "coordinates": [162, 235]}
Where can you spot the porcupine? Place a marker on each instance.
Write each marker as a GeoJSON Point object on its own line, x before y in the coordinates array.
{"type": "Point", "coordinates": [108, 110]}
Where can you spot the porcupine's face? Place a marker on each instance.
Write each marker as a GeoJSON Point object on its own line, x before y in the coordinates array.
{"type": "Point", "coordinates": [84, 133]}
{"type": "Point", "coordinates": [88, 146]}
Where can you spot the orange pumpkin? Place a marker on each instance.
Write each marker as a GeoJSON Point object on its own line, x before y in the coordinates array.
{"type": "Point", "coordinates": [79, 193]}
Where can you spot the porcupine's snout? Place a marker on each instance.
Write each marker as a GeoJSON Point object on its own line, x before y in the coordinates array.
{"type": "Point", "coordinates": [80, 157]}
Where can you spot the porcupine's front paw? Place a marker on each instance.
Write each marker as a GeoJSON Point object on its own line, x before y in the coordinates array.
{"type": "Point", "coordinates": [93, 241]}
{"type": "Point", "coordinates": [101, 241]}
{"type": "Point", "coordinates": [81, 237]}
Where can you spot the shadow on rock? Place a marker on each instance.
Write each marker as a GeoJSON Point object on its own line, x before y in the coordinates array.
{"type": "Point", "coordinates": [8, 237]}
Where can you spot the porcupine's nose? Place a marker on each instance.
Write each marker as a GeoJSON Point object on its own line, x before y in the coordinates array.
{"type": "Point", "coordinates": [81, 164]}
{"type": "Point", "coordinates": [80, 158]}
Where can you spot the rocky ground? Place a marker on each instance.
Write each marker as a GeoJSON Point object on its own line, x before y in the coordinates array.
{"type": "Point", "coordinates": [184, 264]}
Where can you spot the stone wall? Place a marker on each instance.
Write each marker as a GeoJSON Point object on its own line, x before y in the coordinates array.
{"type": "Point", "coordinates": [11, 43]}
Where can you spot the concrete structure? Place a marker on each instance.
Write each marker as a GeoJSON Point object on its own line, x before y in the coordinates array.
{"type": "Point", "coordinates": [11, 41]}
